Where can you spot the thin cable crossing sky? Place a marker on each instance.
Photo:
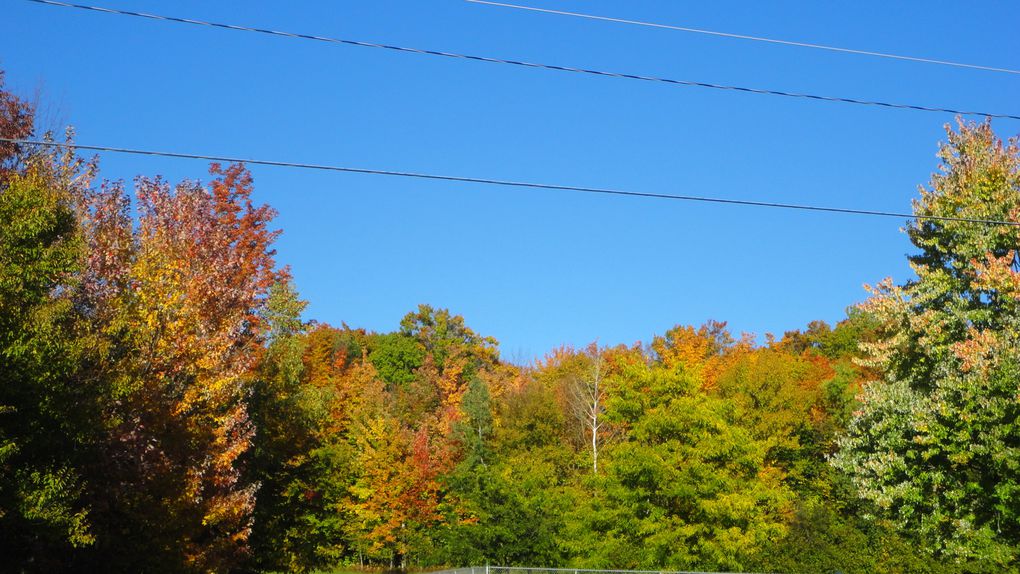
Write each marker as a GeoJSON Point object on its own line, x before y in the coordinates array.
{"type": "Point", "coordinates": [747, 37]}
{"type": "Point", "coordinates": [507, 183]}
{"type": "Point", "coordinates": [691, 83]}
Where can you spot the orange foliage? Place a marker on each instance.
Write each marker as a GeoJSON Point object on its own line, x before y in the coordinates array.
{"type": "Point", "coordinates": [183, 293]}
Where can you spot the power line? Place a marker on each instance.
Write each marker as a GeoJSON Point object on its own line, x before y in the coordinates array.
{"type": "Point", "coordinates": [508, 183]}
{"type": "Point", "coordinates": [526, 64]}
{"type": "Point", "coordinates": [746, 37]}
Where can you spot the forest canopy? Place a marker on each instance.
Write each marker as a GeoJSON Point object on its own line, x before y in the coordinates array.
{"type": "Point", "coordinates": [167, 406]}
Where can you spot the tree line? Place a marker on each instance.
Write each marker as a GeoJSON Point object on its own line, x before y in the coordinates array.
{"type": "Point", "coordinates": [165, 407]}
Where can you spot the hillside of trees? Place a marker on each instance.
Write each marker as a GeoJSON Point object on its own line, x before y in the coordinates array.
{"type": "Point", "coordinates": [165, 407]}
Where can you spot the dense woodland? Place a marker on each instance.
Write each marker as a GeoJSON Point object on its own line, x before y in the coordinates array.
{"type": "Point", "coordinates": [165, 407]}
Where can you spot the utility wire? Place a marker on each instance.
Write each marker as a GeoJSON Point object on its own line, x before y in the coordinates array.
{"type": "Point", "coordinates": [508, 183]}
{"type": "Point", "coordinates": [746, 37]}
{"type": "Point", "coordinates": [525, 64]}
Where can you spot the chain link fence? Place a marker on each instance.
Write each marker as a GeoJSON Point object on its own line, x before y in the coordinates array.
{"type": "Point", "coordinates": [527, 570]}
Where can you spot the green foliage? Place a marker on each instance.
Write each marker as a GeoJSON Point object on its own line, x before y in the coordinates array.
{"type": "Point", "coordinates": [164, 407]}
{"type": "Point", "coordinates": [774, 393]}
{"type": "Point", "coordinates": [279, 408]}
{"type": "Point", "coordinates": [440, 333]}
{"type": "Point", "coordinates": [686, 488]}
{"type": "Point", "coordinates": [474, 431]}
{"type": "Point", "coordinates": [529, 418]}
{"type": "Point", "coordinates": [49, 497]}
{"type": "Point", "coordinates": [936, 444]}
{"type": "Point", "coordinates": [396, 356]}
{"type": "Point", "coordinates": [514, 514]}
{"type": "Point", "coordinates": [944, 463]}
{"type": "Point", "coordinates": [846, 339]}
{"type": "Point", "coordinates": [824, 540]}
{"type": "Point", "coordinates": [45, 423]}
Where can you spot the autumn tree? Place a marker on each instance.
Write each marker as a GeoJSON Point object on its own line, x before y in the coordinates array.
{"type": "Point", "coordinates": [779, 399]}
{"type": "Point", "coordinates": [934, 446]}
{"type": "Point", "coordinates": [177, 302]}
{"type": "Point", "coordinates": [393, 496]}
{"type": "Point", "coordinates": [699, 351]}
{"type": "Point", "coordinates": [17, 121]}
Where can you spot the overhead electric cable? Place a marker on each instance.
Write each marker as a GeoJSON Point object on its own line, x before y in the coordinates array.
{"type": "Point", "coordinates": [508, 183]}
{"type": "Point", "coordinates": [746, 37]}
{"type": "Point", "coordinates": [525, 64]}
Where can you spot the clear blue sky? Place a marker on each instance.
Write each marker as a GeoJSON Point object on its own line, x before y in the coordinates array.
{"type": "Point", "coordinates": [537, 269]}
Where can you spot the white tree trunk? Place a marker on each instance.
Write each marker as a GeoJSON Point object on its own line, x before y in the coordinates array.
{"type": "Point", "coordinates": [588, 403]}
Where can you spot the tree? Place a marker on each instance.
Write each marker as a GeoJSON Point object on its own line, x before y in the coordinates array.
{"type": "Point", "coordinates": [284, 415]}
{"type": "Point", "coordinates": [588, 400]}
{"type": "Point", "coordinates": [46, 425]}
{"type": "Point", "coordinates": [936, 443]}
{"type": "Point", "coordinates": [49, 422]}
{"type": "Point", "coordinates": [396, 356]}
{"type": "Point", "coordinates": [779, 399]}
{"type": "Point", "coordinates": [684, 488]}
{"type": "Point", "coordinates": [176, 303]}
{"type": "Point", "coordinates": [17, 121]}
{"type": "Point", "coordinates": [442, 333]}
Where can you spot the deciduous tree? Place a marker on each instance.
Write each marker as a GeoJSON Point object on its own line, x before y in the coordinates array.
{"type": "Point", "coordinates": [936, 444]}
